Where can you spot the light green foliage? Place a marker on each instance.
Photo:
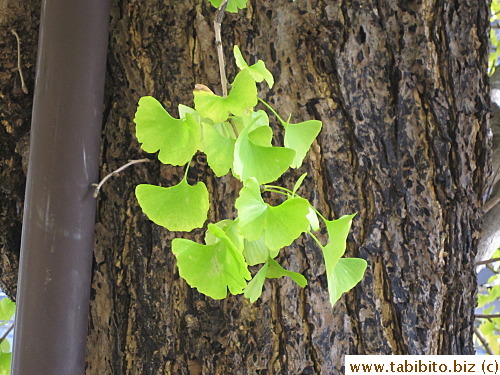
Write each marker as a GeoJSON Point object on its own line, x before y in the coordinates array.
{"type": "Point", "coordinates": [7, 310]}
{"type": "Point", "coordinates": [279, 225]}
{"type": "Point", "coordinates": [254, 156]}
{"type": "Point", "coordinates": [258, 70]}
{"type": "Point", "coordinates": [239, 139]}
{"type": "Point", "coordinates": [232, 6]}
{"type": "Point", "coordinates": [270, 270]}
{"type": "Point", "coordinates": [214, 268]}
{"type": "Point", "coordinates": [342, 274]}
{"type": "Point", "coordinates": [176, 139]}
{"type": "Point", "coordinates": [218, 145]}
{"type": "Point", "coordinates": [181, 207]}
{"type": "Point", "coordinates": [495, 43]}
{"type": "Point", "coordinates": [243, 97]}
{"type": "Point", "coordinates": [490, 327]}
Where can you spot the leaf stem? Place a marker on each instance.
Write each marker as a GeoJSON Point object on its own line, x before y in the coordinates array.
{"type": "Point", "coordinates": [219, 16]}
{"type": "Point", "coordinates": [275, 191]}
{"type": "Point", "coordinates": [187, 169]}
{"type": "Point", "coordinates": [115, 173]}
{"type": "Point", "coordinates": [314, 238]}
{"type": "Point", "coordinates": [279, 187]}
{"type": "Point", "coordinates": [273, 111]}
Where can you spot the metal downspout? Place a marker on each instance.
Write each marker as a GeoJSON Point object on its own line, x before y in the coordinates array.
{"type": "Point", "coordinates": [59, 213]}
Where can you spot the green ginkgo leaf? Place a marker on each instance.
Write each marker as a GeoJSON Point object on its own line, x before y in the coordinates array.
{"type": "Point", "coordinates": [270, 270]}
{"type": "Point", "coordinates": [279, 225]}
{"type": "Point", "coordinates": [232, 5]}
{"type": "Point", "coordinates": [347, 273]}
{"type": "Point", "coordinates": [254, 156]}
{"type": "Point", "coordinates": [218, 145]}
{"type": "Point", "coordinates": [299, 137]}
{"type": "Point", "coordinates": [5, 363]}
{"type": "Point", "coordinates": [5, 346]}
{"type": "Point", "coordinates": [242, 97]}
{"type": "Point", "coordinates": [258, 71]}
{"type": "Point", "coordinates": [7, 309]}
{"type": "Point", "coordinates": [176, 139]}
{"type": "Point", "coordinates": [338, 268]}
{"type": "Point", "coordinates": [212, 269]}
{"type": "Point", "coordinates": [256, 252]}
{"type": "Point", "coordinates": [178, 208]}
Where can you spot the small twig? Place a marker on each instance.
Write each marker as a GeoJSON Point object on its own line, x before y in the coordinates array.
{"type": "Point", "coordinates": [487, 316]}
{"type": "Point", "coordinates": [219, 16]}
{"type": "Point", "coordinates": [492, 260]}
{"type": "Point", "coordinates": [23, 84]}
{"type": "Point", "coordinates": [4, 336]}
{"type": "Point", "coordinates": [481, 338]}
{"type": "Point", "coordinates": [491, 203]}
{"type": "Point", "coordinates": [114, 173]}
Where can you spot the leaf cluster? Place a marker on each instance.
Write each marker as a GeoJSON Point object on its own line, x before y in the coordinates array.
{"type": "Point", "coordinates": [237, 138]}
{"type": "Point", "coordinates": [7, 310]}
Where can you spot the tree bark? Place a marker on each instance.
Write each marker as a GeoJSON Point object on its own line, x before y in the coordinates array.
{"type": "Point", "coordinates": [15, 118]}
{"type": "Point", "coordinates": [402, 90]}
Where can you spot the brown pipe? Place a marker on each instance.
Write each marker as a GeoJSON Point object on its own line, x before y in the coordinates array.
{"type": "Point", "coordinates": [58, 227]}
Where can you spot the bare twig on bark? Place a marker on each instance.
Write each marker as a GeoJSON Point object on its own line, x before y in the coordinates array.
{"type": "Point", "coordinates": [23, 84]}
{"type": "Point", "coordinates": [219, 16]}
{"type": "Point", "coordinates": [114, 173]}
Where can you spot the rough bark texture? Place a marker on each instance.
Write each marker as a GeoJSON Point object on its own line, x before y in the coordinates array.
{"type": "Point", "coordinates": [15, 118]}
{"type": "Point", "coordinates": [402, 91]}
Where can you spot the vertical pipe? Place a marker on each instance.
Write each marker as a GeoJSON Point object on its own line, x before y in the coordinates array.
{"type": "Point", "coordinates": [58, 227]}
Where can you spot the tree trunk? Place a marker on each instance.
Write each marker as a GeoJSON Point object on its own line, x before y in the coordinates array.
{"type": "Point", "coordinates": [403, 95]}
{"type": "Point", "coordinates": [15, 118]}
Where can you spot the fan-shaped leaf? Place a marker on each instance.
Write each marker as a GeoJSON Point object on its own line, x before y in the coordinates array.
{"type": "Point", "coordinates": [258, 70]}
{"type": "Point", "coordinates": [218, 145]}
{"type": "Point", "coordinates": [280, 225]}
{"type": "Point", "coordinates": [271, 270]}
{"type": "Point", "coordinates": [300, 137]}
{"type": "Point", "coordinates": [176, 139]}
{"type": "Point", "coordinates": [346, 274]}
{"type": "Point", "coordinates": [212, 269]}
{"type": "Point", "coordinates": [243, 96]}
{"type": "Point", "coordinates": [255, 157]}
{"type": "Point", "coordinates": [178, 208]}
{"type": "Point", "coordinates": [232, 5]}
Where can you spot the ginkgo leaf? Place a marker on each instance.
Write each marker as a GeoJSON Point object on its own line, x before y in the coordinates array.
{"type": "Point", "coordinates": [338, 230]}
{"type": "Point", "coordinates": [270, 270]}
{"type": "Point", "coordinates": [212, 269]}
{"type": "Point", "coordinates": [342, 273]}
{"type": "Point", "coordinates": [5, 363]}
{"type": "Point", "coordinates": [230, 228]}
{"type": "Point", "coordinates": [178, 208]}
{"type": "Point", "coordinates": [280, 225]}
{"type": "Point", "coordinates": [347, 273]}
{"type": "Point", "coordinates": [242, 97]}
{"type": "Point", "coordinates": [218, 145]}
{"type": "Point", "coordinates": [255, 157]}
{"type": "Point", "coordinates": [300, 137]}
{"type": "Point", "coordinates": [256, 252]}
{"type": "Point", "coordinates": [232, 5]}
{"type": "Point", "coordinates": [258, 70]}
{"type": "Point", "coordinates": [176, 139]}
{"type": "Point", "coordinates": [312, 217]}
{"type": "Point", "coordinates": [7, 309]}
